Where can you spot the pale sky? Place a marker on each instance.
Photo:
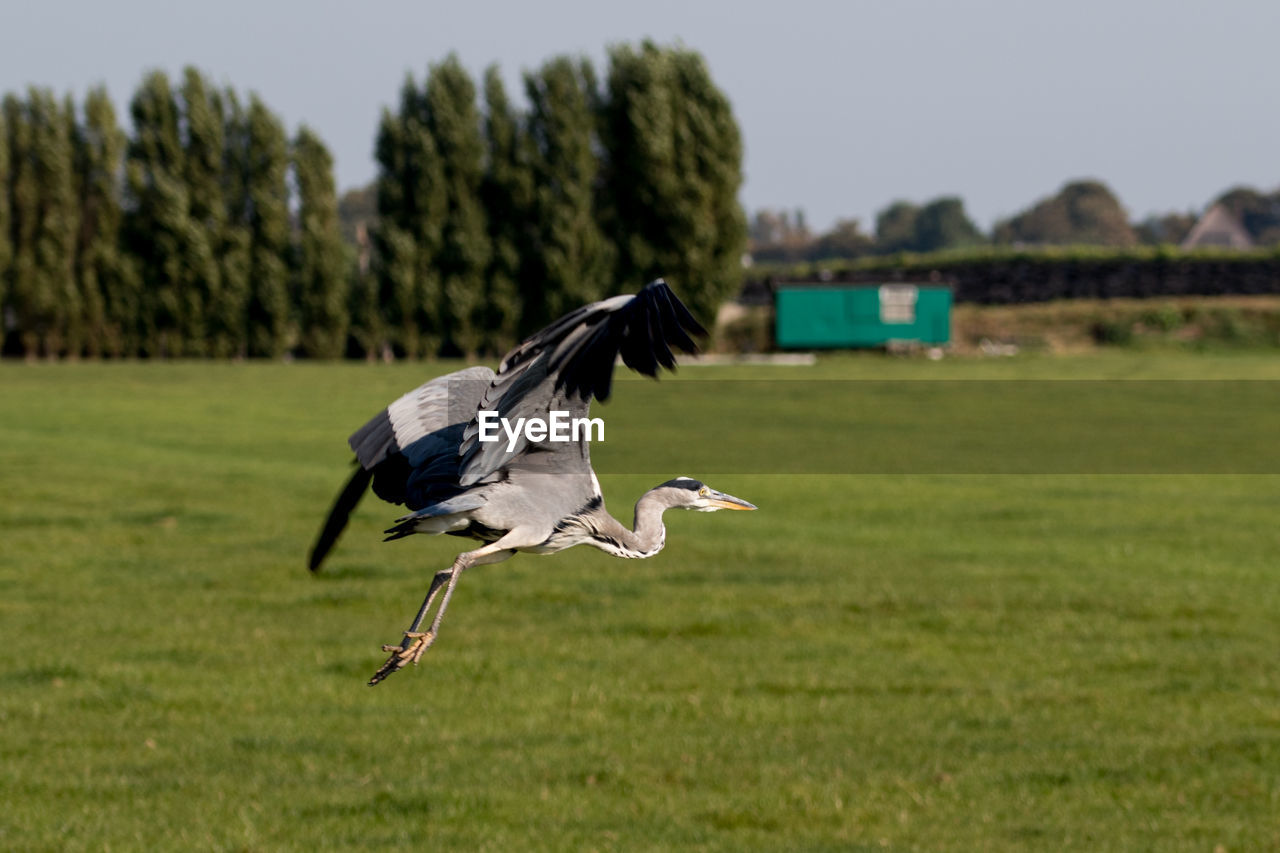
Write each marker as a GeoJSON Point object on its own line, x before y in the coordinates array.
{"type": "Point", "coordinates": [844, 106]}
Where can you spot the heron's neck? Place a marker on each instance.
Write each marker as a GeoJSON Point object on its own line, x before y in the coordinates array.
{"type": "Point", "coordinates": [648, 535]}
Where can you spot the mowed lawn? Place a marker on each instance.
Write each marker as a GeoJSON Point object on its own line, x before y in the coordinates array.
{"type": "Point", "coordinates": [963, 662]}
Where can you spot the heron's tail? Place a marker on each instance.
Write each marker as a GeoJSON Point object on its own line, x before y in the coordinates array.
{"type": "Point", "coordinates": [339, 515]}
{"type": "Point", "coordinates": [440, 517]}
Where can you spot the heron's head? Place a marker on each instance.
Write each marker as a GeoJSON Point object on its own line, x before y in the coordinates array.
{"type": "Point", "coordinates": [685, 493]}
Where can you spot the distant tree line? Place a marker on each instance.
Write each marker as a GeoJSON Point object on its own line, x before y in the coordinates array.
{"type": "Point", "coordinates": [1081, 213]}
{"type": "Point", "coordinates": [181, 239]}
{"type": "Point", "coordinates": [1004, 274]}
{"type": "Point", "coordinates": [208, 232]}
{"type": "Point", "coordinates": [489, 221]}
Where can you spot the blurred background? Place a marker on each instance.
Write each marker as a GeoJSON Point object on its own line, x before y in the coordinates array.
{"type": "Point", "coordinates": [259, 181]}
{"type": "Point", "coordinates": [999, 594]}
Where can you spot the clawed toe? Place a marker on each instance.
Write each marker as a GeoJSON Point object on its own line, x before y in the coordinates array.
{"type": "Point", "coordinates": [409, 651]}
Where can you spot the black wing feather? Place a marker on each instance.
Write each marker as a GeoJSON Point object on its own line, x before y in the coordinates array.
{"type": "Point", "coordinates": [657, 333]}
{"type": "Point", "coordinates": [339, 515]}
{"type": "Point", "coordinates": [642, 332]}
{"type": "Point", "coordinates": [678, 319]}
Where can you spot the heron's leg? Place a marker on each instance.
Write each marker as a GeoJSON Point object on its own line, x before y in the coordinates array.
{"type": "Point", "coordinates": [416, 642]}
{"type": "Point", "coordinates": [440, 578]}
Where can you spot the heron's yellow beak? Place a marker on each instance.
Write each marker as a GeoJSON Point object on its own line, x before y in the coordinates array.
{"type": "Point", "coordinates": [723, 501]}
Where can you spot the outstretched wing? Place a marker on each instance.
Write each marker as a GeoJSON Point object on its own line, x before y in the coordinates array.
{"type": "Point", "coordinates": [409, 450]}
{"type": "Point", "coordinates": [566, 364]}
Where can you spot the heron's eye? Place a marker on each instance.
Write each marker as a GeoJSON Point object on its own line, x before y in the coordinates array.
{"type": "Point", "coordinates": [703, 492]}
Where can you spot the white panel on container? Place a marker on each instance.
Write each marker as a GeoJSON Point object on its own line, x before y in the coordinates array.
{"type": "Point", "coordinates": [898, 303]}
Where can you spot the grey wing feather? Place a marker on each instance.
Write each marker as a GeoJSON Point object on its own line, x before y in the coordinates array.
{"type": "Point", "coordinates": [408, 425]}
{"type": "Point", "coordinates": [568, 363]}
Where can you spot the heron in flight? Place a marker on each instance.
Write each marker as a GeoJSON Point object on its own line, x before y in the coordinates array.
{"type": "Point", "coordinates": [540, 497]}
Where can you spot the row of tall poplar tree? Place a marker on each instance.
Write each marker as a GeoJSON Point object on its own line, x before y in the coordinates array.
{"type": "Point", "coordinates": [493, 220]}
{"type": "Point", "coordinates": [209, 232]}
{"type": "Point", "coordinates": [176, 241]}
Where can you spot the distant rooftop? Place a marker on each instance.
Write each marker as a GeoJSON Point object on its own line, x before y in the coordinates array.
{"type": "Point", "coordinates": [1218, 228]}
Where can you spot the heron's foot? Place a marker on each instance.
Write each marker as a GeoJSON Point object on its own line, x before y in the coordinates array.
{"type": "Point", "coordinates": [409, 651]}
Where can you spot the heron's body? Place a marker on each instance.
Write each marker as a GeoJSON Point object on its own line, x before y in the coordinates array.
{"type": "Point", "coordinates": [539, 497]}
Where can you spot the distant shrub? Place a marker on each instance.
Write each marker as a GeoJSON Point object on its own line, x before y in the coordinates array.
{"type": "Point", "coordinates": [1237, 322]}
{"type": "Point", "coordinates": [1113, 331]}
{"type": "Point", "coordinates": [1165, 318]}
{"type": "Point", "coordinates": [748, 332]}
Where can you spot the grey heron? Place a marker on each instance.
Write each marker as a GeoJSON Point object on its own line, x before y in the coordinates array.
{"type": "Point", "coordinates": [528, 495]}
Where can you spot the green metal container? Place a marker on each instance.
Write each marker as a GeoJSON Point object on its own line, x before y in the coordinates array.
{"type": "Point", "coordinates": [862, 315]}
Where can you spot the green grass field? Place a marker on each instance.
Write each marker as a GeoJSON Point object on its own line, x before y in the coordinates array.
{"type": "Point", "coordinates": [905, 662]}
